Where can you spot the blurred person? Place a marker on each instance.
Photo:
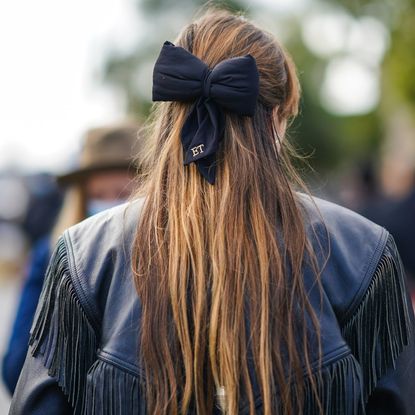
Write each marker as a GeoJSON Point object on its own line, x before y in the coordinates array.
{"type": "Point", "coordinates": [221, 287]}
{"type": "Point", "coordinates": [400, 219]}
{"type": "Point", "coordinates": [45, 202]}
{"type": "Point", "coordinates": [398, 215]}
{"type": "Point", "coordinates": [102, 180]}
{"type": "Point", "coordinates": [14, 202]}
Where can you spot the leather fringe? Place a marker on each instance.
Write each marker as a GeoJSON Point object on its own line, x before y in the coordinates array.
{"type": "Point", "coordinates": [380, 327]}
{"type": "Point", "coordinates": [113, 391]}
{"type": "Point", "coordinates": [61, 332]}
{"type": "Point", "coordinates": [339, 388]}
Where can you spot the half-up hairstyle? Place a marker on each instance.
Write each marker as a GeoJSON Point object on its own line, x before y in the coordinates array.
{"type": "Point", "coordinates": [219, 269]}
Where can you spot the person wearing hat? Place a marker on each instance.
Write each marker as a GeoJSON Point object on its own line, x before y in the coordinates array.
{"type": "Point", "coordinates": [102, 179]}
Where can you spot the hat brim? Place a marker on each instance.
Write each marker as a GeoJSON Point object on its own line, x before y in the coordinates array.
{"type": "Point", "coordinates": [80, 175]}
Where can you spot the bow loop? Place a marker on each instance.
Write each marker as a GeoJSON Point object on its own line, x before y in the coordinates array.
{"type": "Point", "coordinates": [233, 85]}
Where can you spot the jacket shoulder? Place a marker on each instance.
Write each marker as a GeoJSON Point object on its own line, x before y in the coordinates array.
{"type": "Point", "coordinates": [348, 248]}
{"type": "Point", "coordinates": [101, 243]}
{"type": "Point", "coordinates": [324, 216]}
{"type": "Point", "coordinates": [80, 305]}
{"type": "Point", "coordinates": [363, 279]}
{"type": "Point", "coordinates": [113, 226]}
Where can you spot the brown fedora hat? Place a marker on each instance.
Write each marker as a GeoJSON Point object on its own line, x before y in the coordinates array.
{"type": "Point", "coordinates": [105, 148]}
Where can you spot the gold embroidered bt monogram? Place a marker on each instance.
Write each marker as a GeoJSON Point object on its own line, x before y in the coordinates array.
{"type": "Point", "coordinates": [197, 150]}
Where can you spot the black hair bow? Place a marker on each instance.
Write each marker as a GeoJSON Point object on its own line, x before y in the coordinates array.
{"type": "Point", "coordinates": [233, 84]}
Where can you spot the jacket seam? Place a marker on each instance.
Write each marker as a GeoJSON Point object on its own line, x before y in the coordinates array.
{"type": "Point", "coordinates": [333, 355]}
{"type": "Point", "coordinates": [329, 358]}
{"type": "Point", "coordinates": [117, 362]}
{"type": "Point", "coordinates": [77, 282]}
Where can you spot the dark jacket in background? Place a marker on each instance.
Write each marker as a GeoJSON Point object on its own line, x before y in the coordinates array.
{"type": "Point", "coordinates": [398, 216]}
{"type": "Point", "coordinates": [84, 339]}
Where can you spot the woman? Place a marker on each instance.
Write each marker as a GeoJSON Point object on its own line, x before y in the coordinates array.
{"type": "Point", "coordinates": [250, 297]}
{"type": "Point", "coordinates": [103, 179]}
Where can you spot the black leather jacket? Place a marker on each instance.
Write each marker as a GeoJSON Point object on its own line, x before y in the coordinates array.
{"type": "Point", "coordinates": [83, 345]}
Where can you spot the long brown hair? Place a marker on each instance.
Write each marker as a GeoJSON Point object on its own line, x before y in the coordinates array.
{"type": "Point", "coordinates": [218, 269]}
{"type": "Point", "coordinates": [73, 210]}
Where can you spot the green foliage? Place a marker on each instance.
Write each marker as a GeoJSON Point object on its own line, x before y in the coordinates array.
{"type": "Point", "coordinates": [333, 141]}
{"type": "Point", "coordinates": [399, 69]}
{"type": "Point", "coordinates": [156, 6]}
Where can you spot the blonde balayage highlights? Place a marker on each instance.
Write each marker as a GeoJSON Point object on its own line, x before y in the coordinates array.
{"type": "Point", "coordinates": [219, 269]}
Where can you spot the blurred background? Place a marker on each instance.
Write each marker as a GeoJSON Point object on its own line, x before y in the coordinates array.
{"type": "Point", "coordinates": [70, 66]}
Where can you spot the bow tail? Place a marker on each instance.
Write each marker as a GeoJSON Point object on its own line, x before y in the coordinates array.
{"type": "Point", "coordinates": [201, 135]}
{"type": "Point", "coordinates": [207, 168]}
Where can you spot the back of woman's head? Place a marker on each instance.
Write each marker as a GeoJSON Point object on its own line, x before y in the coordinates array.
{"type": "Point", "coordinates": [218, 268]}
{"type": "Point", "coordinates": [219, 35]}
